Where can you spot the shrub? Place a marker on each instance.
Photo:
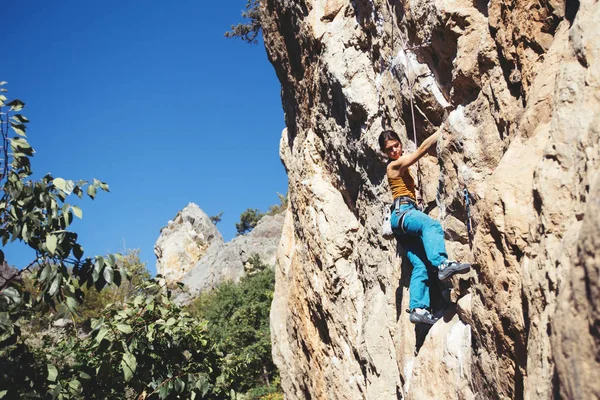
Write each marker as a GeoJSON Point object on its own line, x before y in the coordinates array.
{"type": "Point", "coordinates": [238, 324]}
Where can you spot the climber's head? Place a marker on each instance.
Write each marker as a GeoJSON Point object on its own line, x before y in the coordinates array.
{"type": "Point", "coordinates": [390, 144]}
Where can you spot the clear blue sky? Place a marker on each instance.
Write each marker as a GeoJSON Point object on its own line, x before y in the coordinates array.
{"type": "Point", "coordinates": [149, 97]}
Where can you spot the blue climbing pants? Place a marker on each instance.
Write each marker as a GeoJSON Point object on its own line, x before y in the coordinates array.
{"type": "Point", "coordinates": [422, 237]}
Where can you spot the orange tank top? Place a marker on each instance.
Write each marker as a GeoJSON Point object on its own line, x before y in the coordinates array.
{"type": "Point", "coordinates": [403, 186]}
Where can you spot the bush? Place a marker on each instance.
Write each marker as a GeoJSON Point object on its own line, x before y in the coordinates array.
{"type": "Point", "coordinates": [238, 324]}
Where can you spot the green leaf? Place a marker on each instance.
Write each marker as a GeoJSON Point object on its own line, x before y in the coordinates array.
{"type": "Point", "coordinates": [117, 278]}
{"type": "Point", "coordinates": [75, 386]}
{"type": "Point", "coordinates": [56, 391]}
{"type": "Point", "coordinates": [78, 251]}
{"type": "Point", "coordinates": [25, 234]}
{"type": "Point", "coordinates": [51, 242]}
{"type": "Point", "coordinates": [77, 211]}
{"type": "Point", "coordinates": [67, 219]}
{"type": "Point", "coordinates": [45, 272]}
{"type": "Point", "coordinates": [171, 322]}
{"type": "Point", "coordinates": [139, 299]}
{"type": "Point", "coordinates": [65, 186]}
{"type": "Point", "coordinates": [129, 364]}
{"type": "Point", "coordinates": [60, 183]}
{"type": "Point", "coordinates": [97, 324]}
{"type": "Point", "coordinates": [12, 295]}
{"type": "Point", "coordinates": [18, 128]}
{"type": "Point", "coordinates": [163, 393]}
{"type": "Point", "coordinates": [16, 105]}
{"type": "Point", "coordinates": [84, 376]}
{"type": "Point", "coordinates": [52, 373]}
{"type": "Point", "coordinates": [91, 191]}
{"type": "Point", "coordinates": [55, 285]}
{"type": "Point", "coordinates": [21, 118]}
{"type": "Point", "coordinates": [126, 329]}
{"type": "Point", "coordinates": [179, 385]}
{"type": "Point", "coordinates": [72, 303]}
{"type": "Point", "coordinates": [98, 265]}
{"type": "Point", "coordinates": [101, 334]}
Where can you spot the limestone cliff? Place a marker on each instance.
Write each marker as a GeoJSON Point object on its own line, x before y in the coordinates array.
{"type": "Point", "coordinates": [514, 88]}
{"type": "Point", "coordinates": [191, 249]}
{"type": "Point", "coordinates": [184, 241]}
{"type": "Point", "coordinates": [228, 261]}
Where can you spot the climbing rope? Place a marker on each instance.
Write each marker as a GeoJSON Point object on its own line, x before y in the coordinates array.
{"type": "Point", "coordinates": [411, 83]}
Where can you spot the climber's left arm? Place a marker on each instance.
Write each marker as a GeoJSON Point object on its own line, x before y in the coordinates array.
{"type": "Point", "coordinates": [406, 161]}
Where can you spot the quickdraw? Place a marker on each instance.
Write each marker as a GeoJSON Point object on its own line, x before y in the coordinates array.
{"type": "Point", "coordinates": [469, 221]}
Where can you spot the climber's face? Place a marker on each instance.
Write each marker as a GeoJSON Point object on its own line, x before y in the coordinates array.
{"type": "Point", "coordinates": [393, 149]}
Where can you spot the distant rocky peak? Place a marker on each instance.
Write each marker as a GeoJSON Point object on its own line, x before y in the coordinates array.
{"type": "Point", "coordinates": [184, 241]}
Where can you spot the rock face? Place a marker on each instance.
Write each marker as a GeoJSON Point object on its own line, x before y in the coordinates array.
{"type": "Point", "coordinates": [191, 249]}
{"type": "Point", "coordinates": [184, 241]}
{"type": "Point", "coordinates": [514, 89]}
{"type": "Point", "coordinates": [227, 261]}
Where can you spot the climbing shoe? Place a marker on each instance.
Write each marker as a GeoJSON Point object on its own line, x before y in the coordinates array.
{"type": "Point", "coordinates": [449, 268]}
{"type": "Point", "coordinates": [422, 316]}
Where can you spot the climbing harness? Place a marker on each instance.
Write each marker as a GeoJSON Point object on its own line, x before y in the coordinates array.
{"type": "Point", "coordinates": [469, 222]}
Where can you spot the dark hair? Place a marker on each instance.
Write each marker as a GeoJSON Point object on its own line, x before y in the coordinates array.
{"type": "Point", "coordinates": [385, 136]}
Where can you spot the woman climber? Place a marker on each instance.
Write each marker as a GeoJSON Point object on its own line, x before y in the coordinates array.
{"type": "Point", "coordinates": [421, 236]}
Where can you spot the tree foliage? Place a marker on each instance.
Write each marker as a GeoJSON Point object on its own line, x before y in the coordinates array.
{"type": "Point", "coordinates": [238, 324]}
{"type": "Point", "coordinates": [127, 338]}
{"type": "Point", "coordinates": [94, 301]}
{"type": "Point", "coordinates": [248, 220]}
{"type": "Point", "coordinates": [250, 217]}
{"type": "Point", "coordinates": [249, 30]}
{"type": "Point", "coordinates": [254, 265]}
{"type": "Point", "coordinates": [279, 208]}
{"type": "Point", "coordinates": [215, 219]}
{"type": "Point", "coordinates": [147, 345]}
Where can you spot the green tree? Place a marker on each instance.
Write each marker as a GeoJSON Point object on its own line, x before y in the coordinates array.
{"type": "Point", "coordinates": [248, 220]}
{"type": "Point", "coordinates": [281, 207]}
{"type": "Point", "coordinates": [215, 219]}
{"type": "Point", "coordinates": [36, 213]}
{"type": "Point", "coordinates": [94, 301]}
{"type": "Point", "coordinates": [254, 265]}
{"type": "Point", "coordinates": [249, 30]}
{"type": "Point", "coordinates": [238, 324]}
{"type": "Point", "coordinates": [147, 345]}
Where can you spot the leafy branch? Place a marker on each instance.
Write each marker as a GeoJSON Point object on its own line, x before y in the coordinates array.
{"type": "Point", "coordinates": [249, 30]}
